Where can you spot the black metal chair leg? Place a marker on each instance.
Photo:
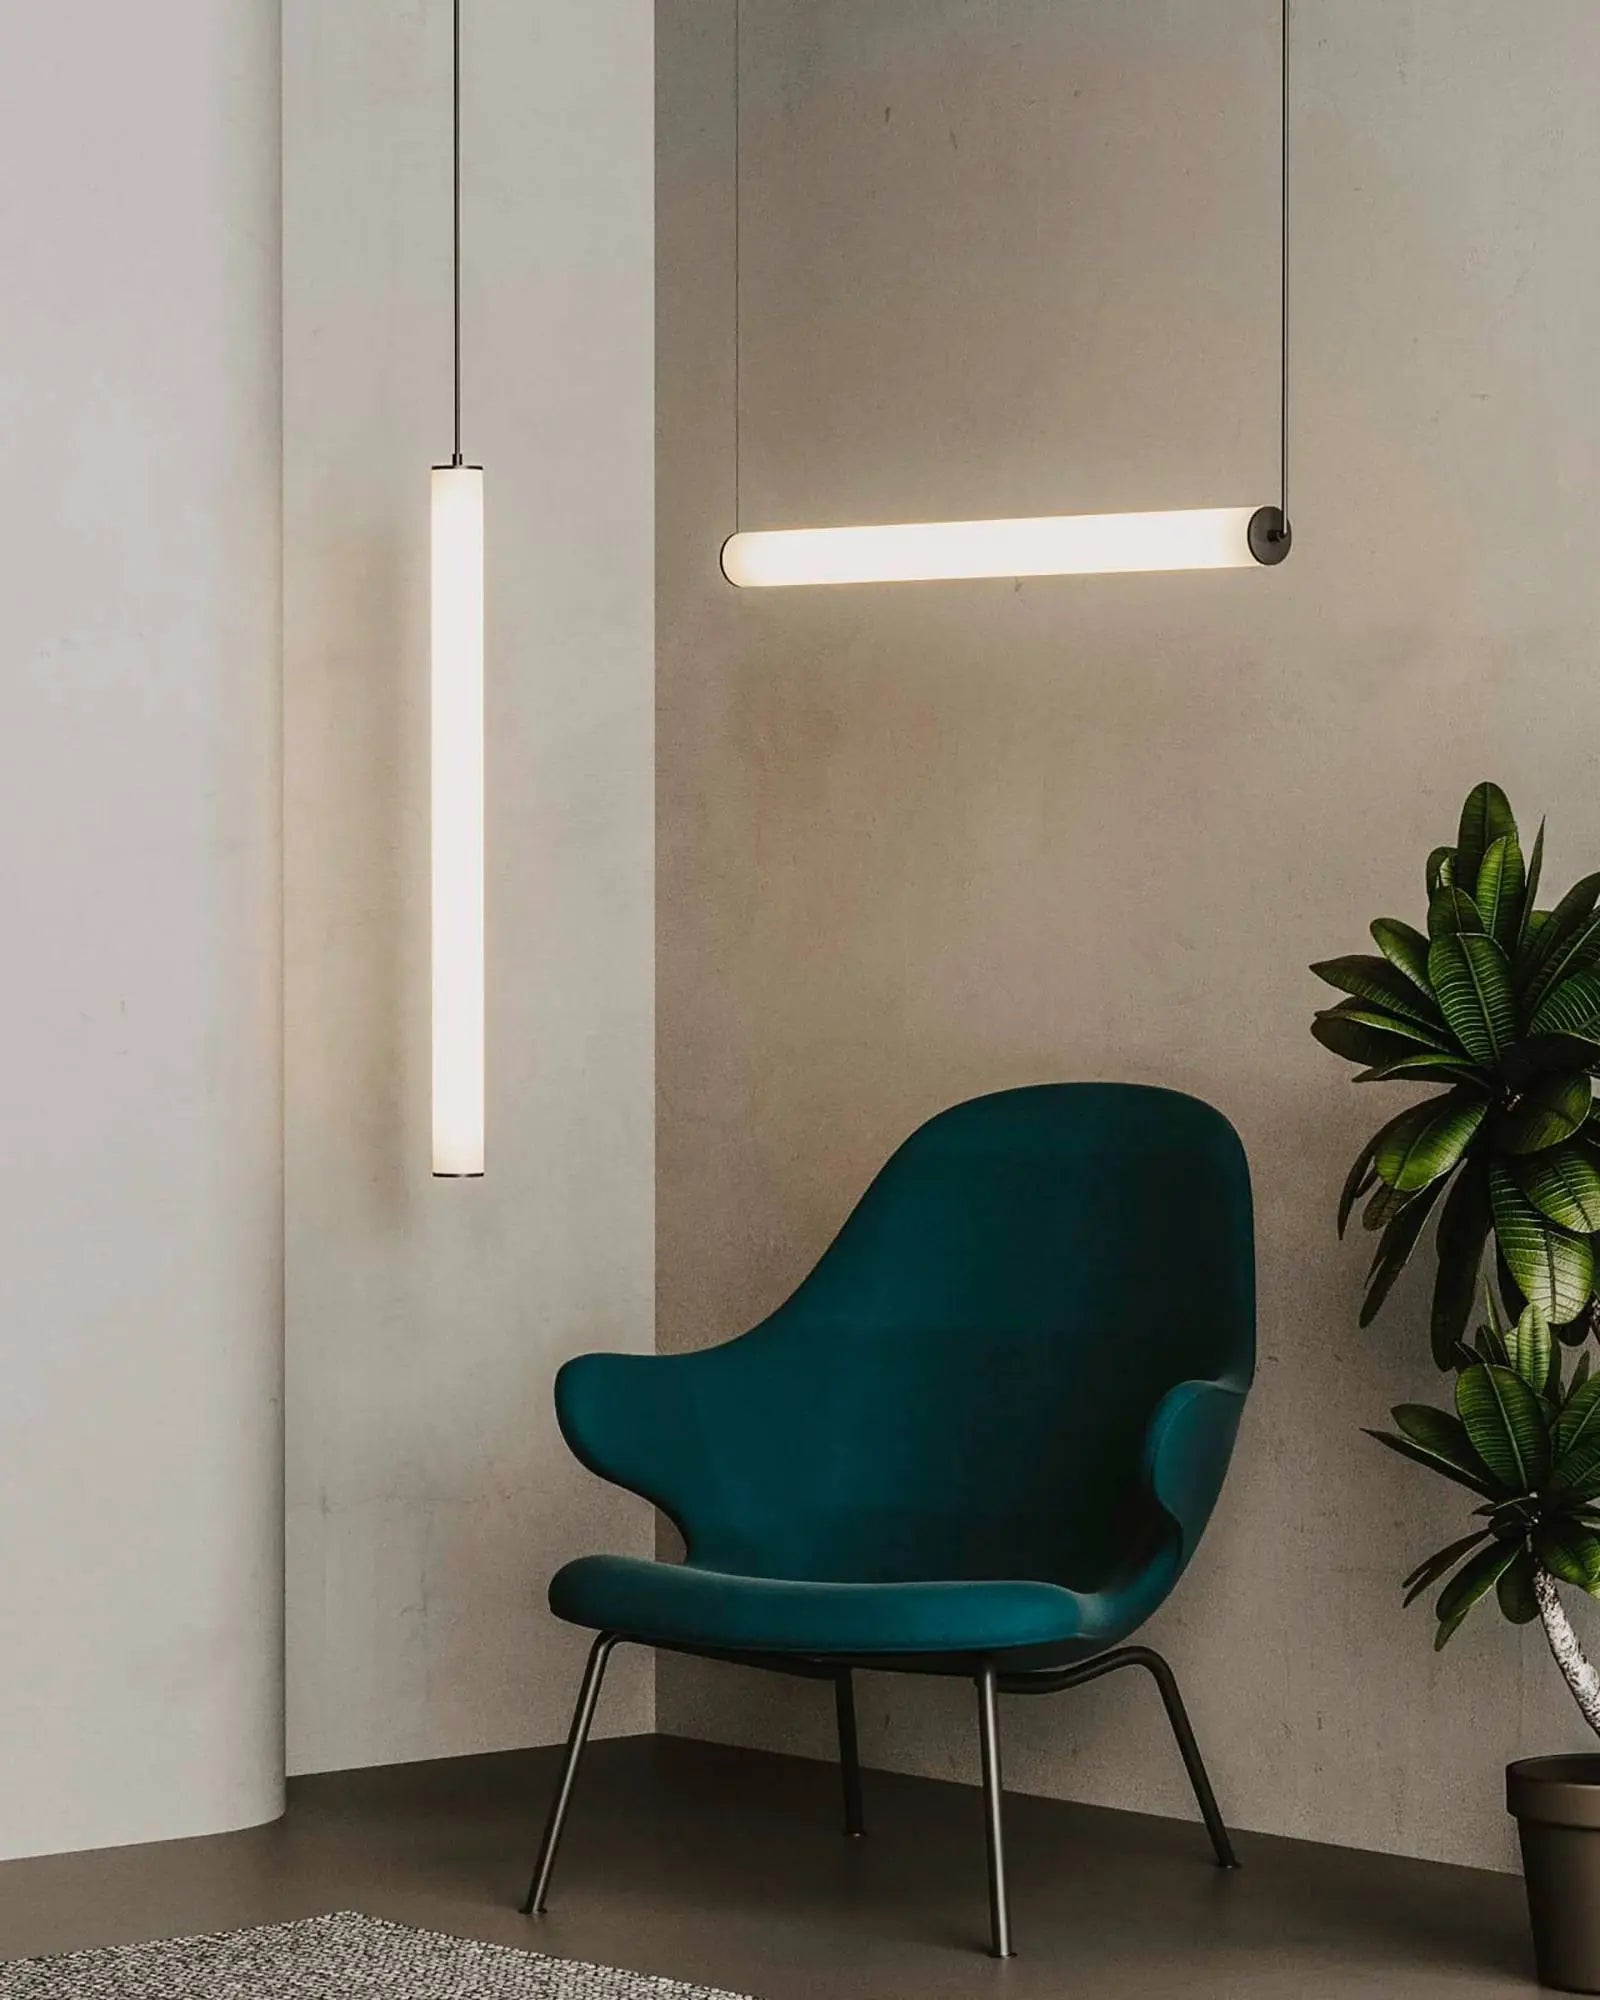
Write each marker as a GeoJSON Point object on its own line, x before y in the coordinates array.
{"type": "Point", "coordinates": [577, 1736]}
{"type": "Point", "coordinates": [989, 1744]}
{"type": "Point", "coordinates": [1189, 1750]}
{"type": "Point", "coordinates": [844, 1704]}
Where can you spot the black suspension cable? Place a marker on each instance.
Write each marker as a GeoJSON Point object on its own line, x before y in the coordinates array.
{"type": "Point", "coordinates": [1283, 532]}
{"type": "Point", "coordinates": [455, 225]}
{"type": "Point", "coordinates": [1271, 533]}
{"type": "Point", "coordinates": [1283, 299]}
{"type": "Point", "coordinates": [738, 326]}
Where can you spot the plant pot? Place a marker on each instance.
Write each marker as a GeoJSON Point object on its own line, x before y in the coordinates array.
{"type": "Point", "coordinates": [1556, 1801]}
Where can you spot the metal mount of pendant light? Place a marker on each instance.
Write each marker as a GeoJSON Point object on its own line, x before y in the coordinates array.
{"type": "Point", "coordinates": [1048, 545]}
{"type": "Point", "coordinates": [456, 754]}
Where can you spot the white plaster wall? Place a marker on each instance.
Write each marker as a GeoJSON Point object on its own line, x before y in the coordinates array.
{"type": "Point", "coordinates": [429, 1493]}
{"type": "Point", "coordinates": [1017, 256]}
{"type": "Point", "coordinates": [140, 1268]}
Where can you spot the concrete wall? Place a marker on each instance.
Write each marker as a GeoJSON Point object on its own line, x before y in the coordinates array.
{"type": "Point", "coordinates": [429, 1496]}
{"type": "Point", "coordinates": [140, 1251]}
{"type": "Point", "coordinates": [1016, 256]}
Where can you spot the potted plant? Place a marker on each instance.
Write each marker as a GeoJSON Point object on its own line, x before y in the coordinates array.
{"type": "Point", "coordinates": [1498, 1005]}
{"type": "Point", "coordinates": [1526, 1444]}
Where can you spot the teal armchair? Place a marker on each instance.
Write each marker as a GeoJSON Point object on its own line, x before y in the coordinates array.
{"type": "Point", "coordinates": [982, 1438]}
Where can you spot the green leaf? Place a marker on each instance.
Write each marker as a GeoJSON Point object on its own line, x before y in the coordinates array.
{"type": "Point", "coordinates": [1562, 939]}
{"type": "Point", "coordinates": [1436, 1564]}
{"type": "Point", "coordinates": [1506, 1425]}
{"type": "Point", "coordinates": [1357, 1041]}
{"type": "Point", "coordinates": [1572, 1008]}
{"type": "Point", "coordinates": [1386, 1205]}
{"type": "Point", "coordinates": [1568, 1552]}
{"type": "Point", "coordinates": [1540, 1056]}
{"type": "Point", "coordinates": [1463, 1231]}
{"type": "Point", "coordinates": [1576, 906]}
{"type": "Point", "coordinates": [1423, 1034]}
{"type": "Point", "coordinates": [1579, 1421]}
{"type": "Point", "coordinates": [1530, 1348]}
{"type": "Point", "coordinates": [1515, 1590]}
{"type": "Point", "coordinates": [1418, 1456]}
{"type": "Point", "coordinates": [1429, 1067]}
{"type": "Point", "coordinates": [1563, 958]}
{"type": "Point", "coordinates": [1485, 817]}
{"type": "Point", "coordinates": [1431, 1141]}
{"type": "Point", "coordinates": [1453, 911]}
{"type": "Point", "coordinates": [1394, 1250]}
{"type": "Point", "coordinates": [1362, 1172]}
{"type": "Point", "coordinates": [1429, 1572]}
{"type": "Point", "coordinates": [1550, 1110]}
{"type": "Point", "coordinates": [1553, 1270]}
{"type": "Point", "coordinates": [1577, 1474]}
{"type": "Point", "coordinates": [1499, 891]}
{"type": "Point", "coordinates": [1474, 1580]}
{"type": "Point", "coordinates": [1375, 981]}
{"type": "Point", "coordinates": [1406, 949]}
{"type": "Point", "coordinates": [1563, 1184]}
{"type": "Point", "coordinates": [1472, 983]}
{"type": "Point", "coordinates": [1443, 1435]}
{"type": "Point", "coordinates": [1441, 866]}
{"type": "Point", "coordinates": [1491, 1346]}
{"type": "Point", "coordinates": [1531, 895]}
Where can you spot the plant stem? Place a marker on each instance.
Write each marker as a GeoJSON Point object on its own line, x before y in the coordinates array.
{"type": "Point", "coordinates": [1565, 1649]}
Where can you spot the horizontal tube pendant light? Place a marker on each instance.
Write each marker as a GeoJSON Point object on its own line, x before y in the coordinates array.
{"type": "Point", "coordinates": [1041, 545]}
{"type": "Point", "coordinates": [1048, 545]}
{"type": "Point", "coordinates": [457, 760]}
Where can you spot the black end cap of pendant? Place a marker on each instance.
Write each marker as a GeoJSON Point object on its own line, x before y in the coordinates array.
{"type": "Point", "coordinates": [1271, 536]}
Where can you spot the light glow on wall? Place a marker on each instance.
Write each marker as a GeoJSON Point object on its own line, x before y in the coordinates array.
{"type": "Point", "coordinates": [1048, 545]}
{"type": "Point", "coordinates": [457, 803]}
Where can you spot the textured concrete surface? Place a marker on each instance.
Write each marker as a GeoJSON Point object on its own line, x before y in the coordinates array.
{"type": "Point", "coordinates": [1016, 256]}
{"type": "Point", "coordinates": [141, 1269]}
{"type": "Point", "coordinates": [428, 1494]}
{"type": "Point", "coordinates": [727, 1867]}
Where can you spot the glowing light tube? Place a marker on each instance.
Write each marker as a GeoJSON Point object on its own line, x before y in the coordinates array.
{"type": "Point", "coordinates": [1050, 545]}
{"type": "Point", "coordinates": [457, 802]}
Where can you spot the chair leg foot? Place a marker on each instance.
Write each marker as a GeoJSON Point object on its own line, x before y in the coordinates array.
{"type": "Point", "coordinates": [1166, 1681]}
{"type": "Point", "coordinates": [582, 1717]}
{"type": "Point", "coordinates": [989, 1745]}
{"type": "Point", "coordinates": [844, 1705]}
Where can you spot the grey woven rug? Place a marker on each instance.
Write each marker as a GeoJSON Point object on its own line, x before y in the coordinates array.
{"type": "Point", "coordinates": [343, 1957]}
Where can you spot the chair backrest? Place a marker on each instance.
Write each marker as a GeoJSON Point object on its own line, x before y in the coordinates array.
{"type": "Point", "coordinates": [963, 1386]}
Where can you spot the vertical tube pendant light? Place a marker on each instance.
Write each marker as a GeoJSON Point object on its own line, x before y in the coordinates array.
{"type": "Point", "coordinates": [457, 755]}
{"type": "Point", "coordinates": [1049, 545]}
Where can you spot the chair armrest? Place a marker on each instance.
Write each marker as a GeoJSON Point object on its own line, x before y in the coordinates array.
{"type": "Point", "coordinates": [1187, 1449]}
{"type": "Point", "coordinates": [632, 1420]}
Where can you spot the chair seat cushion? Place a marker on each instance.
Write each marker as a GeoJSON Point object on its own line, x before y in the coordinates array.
{"type": "Point", "coordinates": [683, 1604]}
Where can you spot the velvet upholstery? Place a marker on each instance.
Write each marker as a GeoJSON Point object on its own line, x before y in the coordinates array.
{"type": "Point", "coordinates": [994, 1418]}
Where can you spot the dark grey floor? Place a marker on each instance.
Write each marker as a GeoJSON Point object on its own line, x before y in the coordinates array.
{"type": "Point", "coordinates": [726, 1867]}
